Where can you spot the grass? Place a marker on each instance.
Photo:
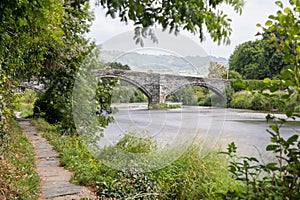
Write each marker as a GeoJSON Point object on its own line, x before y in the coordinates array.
{"type": "Point", "coordinates": [18, 178]}
{"type": "Point", "coordinates": [189, 177]}
{"type": "Point", "coordinates": [24, 103]}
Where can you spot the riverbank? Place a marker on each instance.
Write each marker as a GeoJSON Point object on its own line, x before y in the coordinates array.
{"type": "Point", "coordinates": [191, 176]}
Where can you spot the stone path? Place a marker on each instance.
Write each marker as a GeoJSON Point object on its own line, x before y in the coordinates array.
{"type": "Point", "coordinates": [55, 183]}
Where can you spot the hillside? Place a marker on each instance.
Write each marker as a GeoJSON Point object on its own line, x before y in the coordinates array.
{"type": "Point", "coordinates": [171, 64]}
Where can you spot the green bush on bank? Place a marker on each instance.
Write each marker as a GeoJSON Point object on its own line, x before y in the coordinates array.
{"type": "Point", "coordinates": [250, 100]}
{"type": "Point", "coordinates": [263, 101]}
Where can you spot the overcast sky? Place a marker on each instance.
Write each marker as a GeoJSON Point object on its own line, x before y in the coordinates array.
{"type": "Point", "coordinates": [244, 27]}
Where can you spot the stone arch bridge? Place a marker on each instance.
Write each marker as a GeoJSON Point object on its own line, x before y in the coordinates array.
{"type": "Point", "coordinates": [157, 87]}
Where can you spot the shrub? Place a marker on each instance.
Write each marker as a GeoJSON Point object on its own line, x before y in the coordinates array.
{"type": "Point", "coordinates": [157, 106]}
{"type": "Point", "coordinates": [130, 184]}
{"type": "Point", "coordinates": [260, 102]}
{"type": "Point", "coordinates": [241, 100]}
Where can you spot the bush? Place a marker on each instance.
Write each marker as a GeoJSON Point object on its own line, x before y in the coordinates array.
{"type": "Point", "coordinates": [174, 106]}
{"type": "Point", "coordinates": [260, 102]}
{"type": "Point", "coordinates": [157, 106]}
{"type": "Point", "coordinates": [250, 100]}
{"type": "Point", "coordinates": [241, 100]}
{"type": "Point", "coordinates": [130, 184]}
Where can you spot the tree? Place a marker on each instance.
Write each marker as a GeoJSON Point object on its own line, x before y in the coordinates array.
{"type": "Point", "coordinates": [216, 70]}
{"type": "Point", "coordinates": [174, 15]}
{"type": "Point", "coordinates": [258, 59]}
{"type": "Point", "coordinates": [233, 75]}
{"type": "Point", "coordinates": [65, 59]}
{"type": "Point", "coordinates": [117, 65]}
{"type": "Point", "coordinates": [247, 60]}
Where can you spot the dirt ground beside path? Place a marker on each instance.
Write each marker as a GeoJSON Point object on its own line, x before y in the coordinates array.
{"type": "Point", "coordinates": [55, 183]}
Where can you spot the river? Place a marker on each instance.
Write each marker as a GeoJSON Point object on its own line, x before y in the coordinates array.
{"type": "Point", "coordinates": [211, 127]}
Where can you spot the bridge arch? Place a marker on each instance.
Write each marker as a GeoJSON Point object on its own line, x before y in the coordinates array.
{"type": "Point", "coordinates": [134, 83]}
{"type": "Point", "coordinates": [201, 84]}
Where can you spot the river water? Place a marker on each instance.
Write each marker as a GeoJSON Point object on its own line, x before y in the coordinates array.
{"type": "Point", "coordinates": [211, 127]}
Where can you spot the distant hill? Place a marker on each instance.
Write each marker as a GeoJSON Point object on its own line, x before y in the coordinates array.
{"type": "Point", "coordinates": [189, 65]}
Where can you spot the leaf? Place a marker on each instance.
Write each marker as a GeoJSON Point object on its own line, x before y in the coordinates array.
{"type": "Point", "coordinates": [274, 128]}
{"type": "Point", "coordinates": [253, 159]}
{"type": "Point", "coordinates": [271, 147]}
{"type": "Point", "coordinates": [269, 23]}
{"type": "Point", "coordinates": [271, 166]}
{"type": "Point", "coordinates": [279, 3]}
{"type": "Point", "coordinates": [267, 80]}
{"type": "Point", "coordinates": [273, 88]}
{"type": "Point", "coordinates": [287, 10]}
{"type": "Point", "coordinates": [292, 139]}
{"type": "Point", "coordinates": [239, 83]}
{"type": "Point", "coordinates": [289, 113]}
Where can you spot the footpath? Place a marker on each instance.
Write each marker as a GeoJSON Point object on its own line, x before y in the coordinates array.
{"type": "Point", "coordinates": [55, 180]}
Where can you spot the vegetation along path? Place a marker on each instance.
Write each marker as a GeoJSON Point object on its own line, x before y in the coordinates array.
{"type": "Point", "coordinates": [54, 179]}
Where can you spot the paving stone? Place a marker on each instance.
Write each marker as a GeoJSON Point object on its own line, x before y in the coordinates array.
{"type": "Point", "coordinates": [51, 162]}
{"type": "Point", "coordinates": [55, 189]}
{"type": "Point", "coordinates": [47, 154]}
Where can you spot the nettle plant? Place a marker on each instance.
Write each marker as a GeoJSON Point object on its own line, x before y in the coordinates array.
{"type": "Point", "coordinates": [278, 179]}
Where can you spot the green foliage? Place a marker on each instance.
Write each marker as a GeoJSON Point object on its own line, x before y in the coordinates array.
{"type": "Point", "coordinates": [250, 100]}
{"type": "Point", "coordinates": [247, 60]}
{"type": "Point", "coordinates": [256, 85]}
{"type": "Point", "coordinates": [25, 33]}
{"type": "Point", "coordinates": [232, 74]}
{"type": "Point", "coordinates": [24, 103]}
{"type": "Point", "coordinates": [126, 93]}
{"type": "Point", "coordinates": [117, 65]}
{"type": "Point", "coordinates": [135, 144]}
{"type": "Point", "coordinates": [131, 184]}
{"type": "Point", "coordinates": [191, 16]}
{"type": "Point", "coordinates": [190, 95]}
{"type": "Point", "coordinates": [257, 60]}
{"type": "Point", "coordinates": [273, 180]}
{"type": "Point", "coordinates": [18, 178]}
{"type": "Point", "coordinates": [56, 103]}
{"type": "Point", "coordinates": [193, 176]}
{"type": "Point", "coordinates": [242, 100]}
{"type": "Point", "coordinates": [157, 106]}
{"type": "Point", "coordinates": [173, 106]}
{"type": "Point", "coordinates": [216, 70]}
